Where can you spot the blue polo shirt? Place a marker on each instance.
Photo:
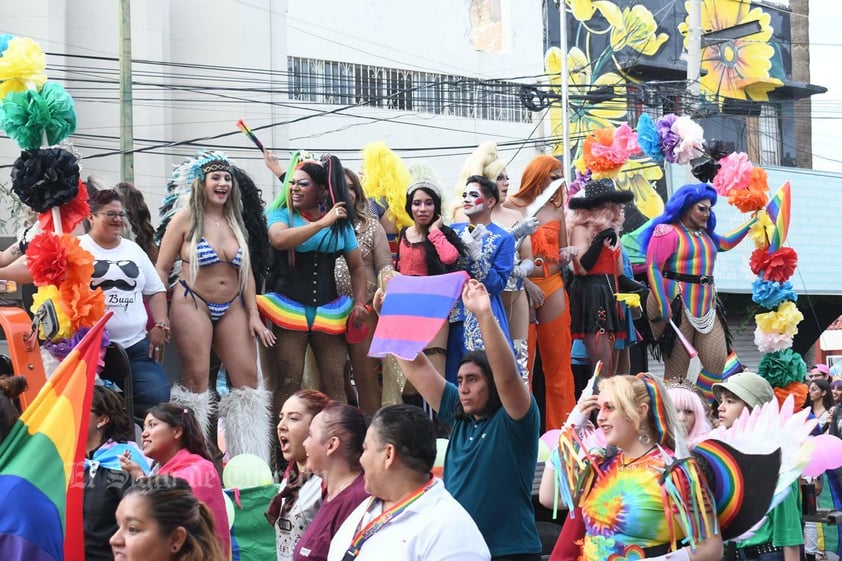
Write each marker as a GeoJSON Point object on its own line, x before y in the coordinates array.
{"type": "Point", "coordinates": [489, 468]}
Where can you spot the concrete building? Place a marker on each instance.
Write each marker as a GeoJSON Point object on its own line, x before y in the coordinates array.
{"type": "Point", "coordinates": [432, 80]}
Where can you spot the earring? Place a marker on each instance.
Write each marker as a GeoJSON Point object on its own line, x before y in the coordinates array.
{"type": "Point", "coordinates": [644, 438]}
{"type": "Point", "coordinates": [174, 548]}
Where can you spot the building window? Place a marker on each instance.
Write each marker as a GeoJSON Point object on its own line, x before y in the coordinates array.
{"type": "Point", "coordinates": [340, 83]}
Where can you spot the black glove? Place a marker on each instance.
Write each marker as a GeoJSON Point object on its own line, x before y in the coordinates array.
{"type": "Point", "coordinates": [628, 284]}
{"type": "Point", "coordinates": [588, 260]}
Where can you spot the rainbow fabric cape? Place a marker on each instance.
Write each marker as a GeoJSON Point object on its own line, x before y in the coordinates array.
{"type": "Point", "coordinates": [42, 463]}
{"type": "Point", "coordinates": [414, 310]}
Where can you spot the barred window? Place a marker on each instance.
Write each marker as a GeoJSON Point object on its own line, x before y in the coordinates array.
{"type": "Point", "coordinates": [341, 83]}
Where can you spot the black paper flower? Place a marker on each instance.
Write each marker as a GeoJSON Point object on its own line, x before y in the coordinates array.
{"type": "Point", "coordinates": [43, 179]}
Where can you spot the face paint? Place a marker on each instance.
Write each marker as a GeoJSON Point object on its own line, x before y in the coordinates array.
{"type": "Point", "coordinates": [473, 201]}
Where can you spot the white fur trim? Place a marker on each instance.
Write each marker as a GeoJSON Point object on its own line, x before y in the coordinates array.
{"type": "Point", "coordinates": [247, 421]}
{"type": "Point", "coordinates": [203, 405]}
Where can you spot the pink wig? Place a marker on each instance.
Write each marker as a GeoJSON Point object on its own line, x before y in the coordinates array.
{"type": "Point", "coordinates": [685, 399]}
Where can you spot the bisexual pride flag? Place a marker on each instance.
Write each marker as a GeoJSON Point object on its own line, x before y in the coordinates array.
{"type": "Point", "coordinates": [414, 310]}
{"type": "Point", "coordinates": [42, 463]}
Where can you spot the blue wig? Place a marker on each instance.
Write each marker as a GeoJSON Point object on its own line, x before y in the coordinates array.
{"type": "Point", "coordinates": [677, 205]}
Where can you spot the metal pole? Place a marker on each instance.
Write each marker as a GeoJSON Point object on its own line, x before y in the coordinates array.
{"type": "Point", "coordinates": [126, 120]}
{"type": "Point", "coordinates": [565, 92]}
{"type": "Point", "coordinates": [694, 52]}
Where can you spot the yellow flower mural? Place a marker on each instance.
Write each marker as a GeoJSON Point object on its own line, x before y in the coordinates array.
{"type": "Point", "coordinates": [638, 177]}
{"type": "Point", "coordinates": [737, 68]}
{"type": "Point", "coordinates": [636, 29]}
{"type": "Point", "coordinates": [585, 115]}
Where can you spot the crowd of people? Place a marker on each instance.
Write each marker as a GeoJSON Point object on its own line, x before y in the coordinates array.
{"type": "Point", "coordinates": [287, 299]}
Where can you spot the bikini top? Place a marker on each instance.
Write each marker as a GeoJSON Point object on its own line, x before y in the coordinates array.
{"type": "Point", "coordinates": [207, 256]}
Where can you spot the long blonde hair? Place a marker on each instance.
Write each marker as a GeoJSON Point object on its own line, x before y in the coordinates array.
{"type": "Point", "coordinates": [232, 210]}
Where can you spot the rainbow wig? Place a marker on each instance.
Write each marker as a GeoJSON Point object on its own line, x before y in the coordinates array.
{"type": "Point", "coordinates": [677, 205]}
{"type": "Point", "coordinates": [385, 179]}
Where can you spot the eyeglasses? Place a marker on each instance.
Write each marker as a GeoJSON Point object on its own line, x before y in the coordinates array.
{"type": "Point", "coordinates": [111, 215]}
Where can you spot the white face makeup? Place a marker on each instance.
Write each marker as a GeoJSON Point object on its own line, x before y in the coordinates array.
{"type": "Point", "coordinates": [473, 201]}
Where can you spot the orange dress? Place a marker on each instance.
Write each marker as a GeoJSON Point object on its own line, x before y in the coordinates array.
{"type": "Point", "coordinates": [552, 339]}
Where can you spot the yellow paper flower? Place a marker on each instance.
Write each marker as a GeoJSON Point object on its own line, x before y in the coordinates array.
{"type": "Point", "coordinates": [50, 292]}
{"type": "Point", "coordinates": [22, 66]}
{"type": "Point", "coordinates": [585, 115]}
{"type": "Point", "coordinates": [637, 176]}
{"type": "Point", "coordinates": [636, 29]}
{"type": "Point", "coordinates": [736, 68]}
{"type": "Point", "coordinates": [784, 320]}
{"type": "Point", "coordinates": [762, 230]}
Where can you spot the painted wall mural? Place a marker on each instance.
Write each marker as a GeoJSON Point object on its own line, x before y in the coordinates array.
{"type": "Point", "coordinates": [608, 38]}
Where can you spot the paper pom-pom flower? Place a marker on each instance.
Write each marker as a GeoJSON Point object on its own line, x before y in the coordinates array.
{"type": "Point", "coordinates": [605, 151]}
{"type": "Point", "coordinates": [29, 115]}
{"type": "Point", "coordinates": [777, 266]}
{"type": "Point", "coordinates": [761, 231]}
{"type": "Point", "coordinates": [734, 173]}
{"type": "Point", "coordinates": [4, 42]}
{"type": "Point", "coordinates": [84, 306]}
{"type": "Point", "coordinates": [45, 178]}
{"type": "Point", "coordinates": [783, 320]}
{"type": "Point", "coordinates": [669, 139]}
{"type": "Point", "coordinates": [782, 367]}
{"type": "Point", "coordinates": [58, 259]}
{"type": "Point", "coordinates": [706, 170]}
{"type": "Point", "coordinates": [72, 213]}
{"type": "Point", "coordinates": [780, 265]}
{"type": "Point", "coordinates": [798, 391]}
{"type": "Point", "coordinates": [24, 116]}
{"type": "Point", "coordinates": [771, 342]}
{"type": "Point", "coordinates": [22, 66]}
{"type": "Point", "coordinates": [769, 294]}
{"type": "Point", "coordinates": [647, 138]}
{"type": "Point", "coordinates": [46, 259]}
{"type": "Point", "coordinates": [60, 348]}
{"type": "Point", "coordinates": [691, 136]}
{"type": "Point", "coordinates": [51, 292]}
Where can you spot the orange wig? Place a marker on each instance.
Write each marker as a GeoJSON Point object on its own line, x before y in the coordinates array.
{"type": "Point", "coordinates": [536, 177]}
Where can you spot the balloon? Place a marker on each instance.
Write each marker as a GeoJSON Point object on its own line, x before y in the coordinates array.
{"type": "Point", "coordinates": [229, 510]}
{"type": "Point", "coordinates": [543, 451]}
{"type": "Point", "coordinates": [246, 470]}
{"type": "Point", "coordinates": [550, 438]}
{"type": "Point", "coordinates": [441, 449]}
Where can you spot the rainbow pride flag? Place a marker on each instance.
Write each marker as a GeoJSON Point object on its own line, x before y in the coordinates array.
{"type": "Point", "coordinates": [414, 310]}
{"type": "Point", "coordinates": [707, 378]}
{"type": "Point", "coordinates": [780, 209]}
{"type": "Point", "coordinates": [42, 463]}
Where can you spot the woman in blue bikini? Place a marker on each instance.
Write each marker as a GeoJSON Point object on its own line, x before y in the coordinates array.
{"type": "Point", "coordinates": [213, 305]}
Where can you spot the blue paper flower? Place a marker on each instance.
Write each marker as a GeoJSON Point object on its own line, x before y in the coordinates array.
{"type": "Point", "coordinates": [769, 294]}
{"type": "Point", "coordinates": [4, 42]}
{"type": "Point", "coordinates": [648, 139]}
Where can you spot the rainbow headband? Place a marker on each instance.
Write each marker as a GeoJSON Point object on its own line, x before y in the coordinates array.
{"type": "Point", "coordinates": [659, 410]}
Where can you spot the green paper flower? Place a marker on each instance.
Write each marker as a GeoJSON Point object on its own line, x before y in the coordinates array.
{"type": "Point", "coordinates": [782, 367]}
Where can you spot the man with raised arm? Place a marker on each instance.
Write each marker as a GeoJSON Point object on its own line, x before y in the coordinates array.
{"type": "Point", "coordinates": [490, 460]}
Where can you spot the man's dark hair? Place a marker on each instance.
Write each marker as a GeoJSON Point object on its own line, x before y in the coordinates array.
{"type": "Point", "coordinates": [493, 404]}
{"type": "Point", "coordinates": [488, 187]}
{"type": "Point", "coordinates": [411, 432]}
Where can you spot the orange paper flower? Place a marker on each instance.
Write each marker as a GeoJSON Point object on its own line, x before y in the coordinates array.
{"type": "Point", "coordinates": [80, 262]}
{"type": "Point", "coordinates": [83, 305]}
{"type": "Point", "coordinates": [46, 259]}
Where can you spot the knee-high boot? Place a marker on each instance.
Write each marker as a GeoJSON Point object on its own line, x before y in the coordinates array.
{"type": "Point", "coordinates": [203, 406]}
{"type": "Point", "coordinates": [247, 420]}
